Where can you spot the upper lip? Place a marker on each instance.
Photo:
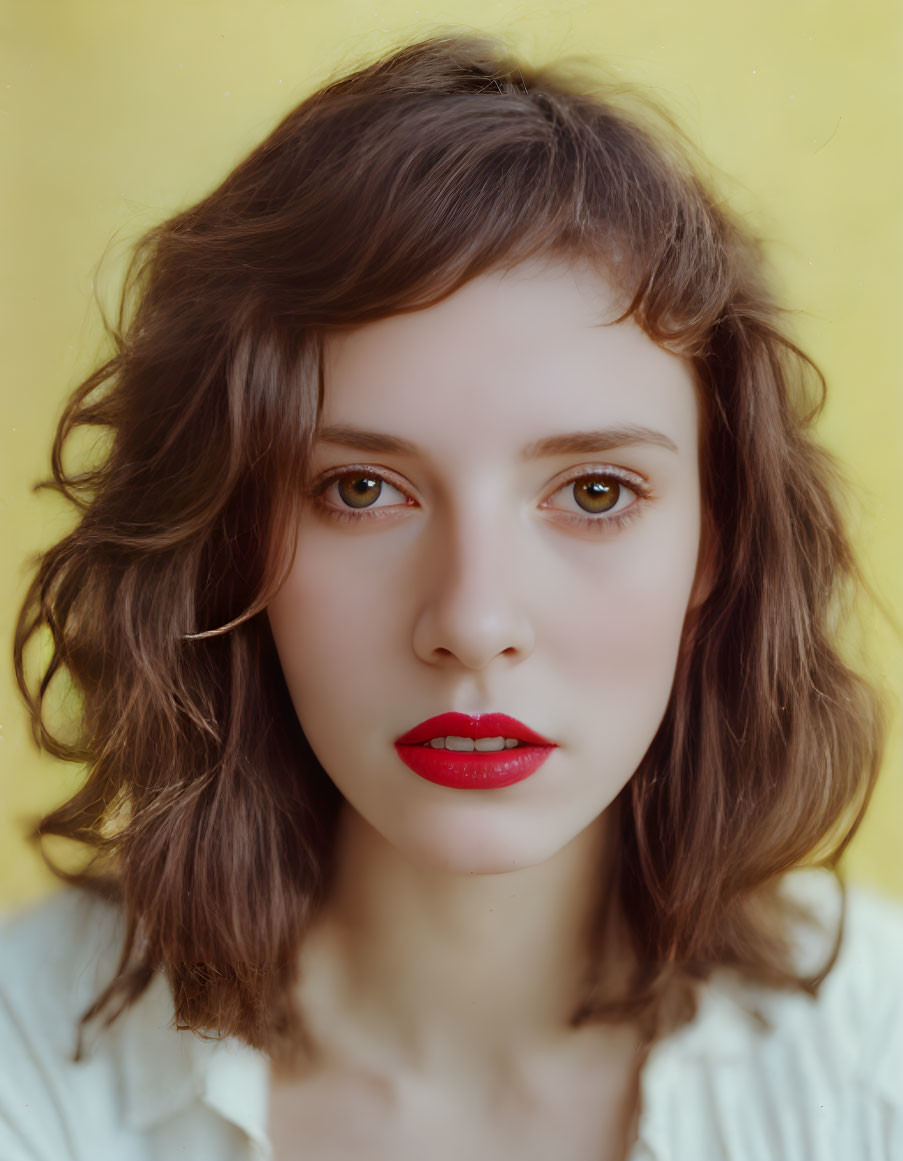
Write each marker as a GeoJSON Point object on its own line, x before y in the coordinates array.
{"type": "Point", "coordinates": [473, 726]}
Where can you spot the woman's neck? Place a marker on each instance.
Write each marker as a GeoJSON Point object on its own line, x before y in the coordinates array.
{"type": "Point", "coordinates": [413, 969]}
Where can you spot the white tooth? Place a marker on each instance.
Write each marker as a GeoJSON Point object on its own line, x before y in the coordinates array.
{"type": "Point", "coordinates": [465, 745]}
{"type": "Point", "coordinates": [462, 744]}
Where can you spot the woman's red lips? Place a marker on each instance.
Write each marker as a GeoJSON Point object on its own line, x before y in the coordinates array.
{"type": "Point", "coordinates": [473, 770]}
{"type": "Point", "coordinates": [470, 726]}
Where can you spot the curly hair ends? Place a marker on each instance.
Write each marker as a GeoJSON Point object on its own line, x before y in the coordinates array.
{"type": "Point", "coordinates": [206, 814]}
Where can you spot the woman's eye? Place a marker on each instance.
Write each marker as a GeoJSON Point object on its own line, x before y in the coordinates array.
{"type": "Point", "coordinates": [597, 498]}
{"type": "Point", "coordinates": [362, 489]}
{"type": "Point", "coordinates": [355, 491]}
{"type": "Point", "coordinates": [597, 494]}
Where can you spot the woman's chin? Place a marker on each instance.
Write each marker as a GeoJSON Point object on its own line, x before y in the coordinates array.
{"type": "Point", "coordinates": [477, 850]}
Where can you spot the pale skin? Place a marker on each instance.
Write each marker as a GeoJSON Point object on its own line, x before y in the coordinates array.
{"type": "Point", "coordinates": [439, 978]}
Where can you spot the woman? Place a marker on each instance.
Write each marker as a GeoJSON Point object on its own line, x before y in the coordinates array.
{"type": "Point", "coordinates": [454, 616]}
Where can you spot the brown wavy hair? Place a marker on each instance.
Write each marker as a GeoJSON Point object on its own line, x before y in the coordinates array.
{"type": "Point", "coordinates": [204, 811]}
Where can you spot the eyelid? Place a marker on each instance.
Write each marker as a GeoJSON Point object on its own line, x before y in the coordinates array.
{"type": "Point", "coordinates": [632, 479]}
{"type": "Point", "coordinates": [322, 482]}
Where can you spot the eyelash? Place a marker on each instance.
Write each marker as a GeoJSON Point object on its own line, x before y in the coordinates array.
{"type": "Point", "coordinates": [601, 523]}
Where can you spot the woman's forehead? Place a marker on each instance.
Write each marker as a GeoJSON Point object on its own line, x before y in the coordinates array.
{"type": "Point", "coordinates": [525, 353]}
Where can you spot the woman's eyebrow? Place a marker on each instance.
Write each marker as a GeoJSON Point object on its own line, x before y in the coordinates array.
{"type": "Point", "coordinates": [582, 442]}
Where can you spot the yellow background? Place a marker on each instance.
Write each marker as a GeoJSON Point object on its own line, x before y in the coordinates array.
{"type": "Point", "coordinates": [115, 114]}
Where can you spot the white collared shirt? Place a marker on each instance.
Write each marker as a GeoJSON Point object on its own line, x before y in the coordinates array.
{"type": "Point", "coordinates": [758, 1075]}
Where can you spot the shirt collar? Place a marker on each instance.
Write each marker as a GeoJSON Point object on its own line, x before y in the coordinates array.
{"type": "Point", "coordinates": [727, 1021]}
{"type": "Point", "coordinates": [164, 1069]}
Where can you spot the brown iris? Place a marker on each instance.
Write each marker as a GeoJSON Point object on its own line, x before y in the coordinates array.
{"type": "Point", "coordinates": [595, 495]}
{"type": "Point", "coordinates": [363, 492]}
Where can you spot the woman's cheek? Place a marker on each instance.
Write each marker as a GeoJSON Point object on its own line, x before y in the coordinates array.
{"type": "Point", "coordinates": [634, 634]}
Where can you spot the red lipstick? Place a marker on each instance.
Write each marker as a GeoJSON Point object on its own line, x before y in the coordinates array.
{"type": "Point", "coordinates": [473, 770]}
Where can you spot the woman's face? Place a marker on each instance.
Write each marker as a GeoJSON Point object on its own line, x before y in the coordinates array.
{"type": "Point", "coordinates": [466, 574]}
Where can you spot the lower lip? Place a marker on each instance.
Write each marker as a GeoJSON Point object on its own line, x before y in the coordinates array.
{"type": "Point", "coordinates": [473, 770]}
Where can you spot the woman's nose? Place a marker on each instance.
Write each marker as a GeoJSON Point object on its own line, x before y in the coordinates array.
{"type": "Point", "coordinates": [471, 596]}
